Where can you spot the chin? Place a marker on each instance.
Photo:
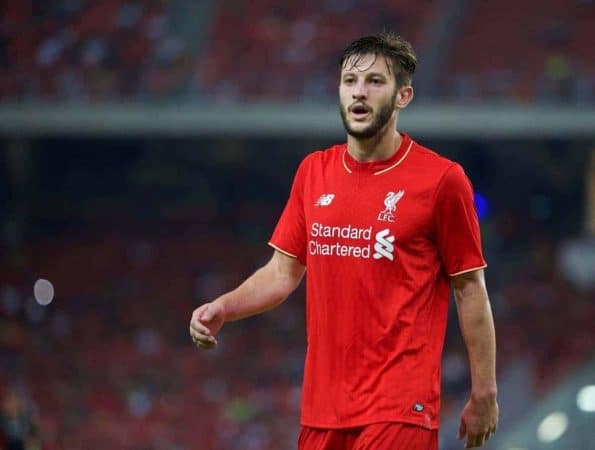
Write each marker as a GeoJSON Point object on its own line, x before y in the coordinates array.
{"type": "Point", "coordinates": [363, 133]}
{"type": "Point", "coordinates": [359, 127]}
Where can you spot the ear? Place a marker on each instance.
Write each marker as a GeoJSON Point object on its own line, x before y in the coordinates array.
{"type": "Point", "coordinates": [404, 97]}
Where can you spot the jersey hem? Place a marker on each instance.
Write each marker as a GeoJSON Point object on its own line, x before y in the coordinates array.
{"type": "Point", "coordinates": [467, 270]}
{"type": "Point", "coordinates": [283, 251]}
{"type": "Point", "coordinates": [363, 423]}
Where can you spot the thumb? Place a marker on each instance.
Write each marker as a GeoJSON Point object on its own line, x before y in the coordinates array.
{"type": "Point", "coordinates": [207, 314]}
{"type": "Point", "coordinates": [462, 430]}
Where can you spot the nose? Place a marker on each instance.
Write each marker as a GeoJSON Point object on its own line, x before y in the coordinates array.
{"type": "Point", "coordinates": [360, 92]}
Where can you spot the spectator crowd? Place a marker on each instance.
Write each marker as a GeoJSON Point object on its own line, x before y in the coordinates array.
{"type": "Point", "coordinates": [79, 50]}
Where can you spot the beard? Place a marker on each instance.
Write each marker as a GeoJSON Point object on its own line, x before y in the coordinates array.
{"type": "Point", "coordinates": [378, 122]}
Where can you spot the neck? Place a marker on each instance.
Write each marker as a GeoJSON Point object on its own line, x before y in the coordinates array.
{"type": "Point", "coordinates": [377, 148]}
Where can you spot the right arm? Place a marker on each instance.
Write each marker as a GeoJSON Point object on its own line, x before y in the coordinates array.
{"type": "Point", "coordinates": [266, 288]}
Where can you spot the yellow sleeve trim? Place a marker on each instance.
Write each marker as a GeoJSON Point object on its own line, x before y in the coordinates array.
{"type": "Point", "coordinates": [282, 251]}
{"type": "Point", "coordinates": [467, 270]}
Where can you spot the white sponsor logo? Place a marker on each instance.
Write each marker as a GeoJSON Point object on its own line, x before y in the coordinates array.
{"type": "Point", "coordinates": [384, 245]}
{"type": "Point", "coordinates": [350, 241]}
{"type": "Point", "coordinates": [325, 200]}
{"type": "Point", "coordinates": [346, 232]}
{"type": "Point", "coordinates": [390, 206]}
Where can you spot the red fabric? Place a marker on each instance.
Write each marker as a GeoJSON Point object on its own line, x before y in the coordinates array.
{"type": "Point", "coordinates": [455, 222]}
{"type": "Point", "coordinates": [378, 436]}
{"type": "Point", "coordinates": [377, 280]}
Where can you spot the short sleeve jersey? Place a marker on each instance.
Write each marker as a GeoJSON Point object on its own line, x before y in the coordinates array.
{"type": "Point", "coordinates": [380, 241]}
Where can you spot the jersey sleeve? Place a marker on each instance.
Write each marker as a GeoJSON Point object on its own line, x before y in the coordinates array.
{"type": "Point", "coordinates": [456, 223]}
{"type": "Point", "coordinates": [289, 236]}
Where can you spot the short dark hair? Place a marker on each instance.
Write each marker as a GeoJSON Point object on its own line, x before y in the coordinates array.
{"type": "Point", "coordinates": [396, 50]}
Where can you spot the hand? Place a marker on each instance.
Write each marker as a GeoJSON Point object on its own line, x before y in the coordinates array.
{"type": "Point", "coordinates": [206, 321]}
{"type": "Point", "coordinates": [479, 420]}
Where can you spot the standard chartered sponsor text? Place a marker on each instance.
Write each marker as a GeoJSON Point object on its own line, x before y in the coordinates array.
{"type": "Point", "coordinates": [336, 248]}
{"type": "Point", "coordinates": [346, 232]}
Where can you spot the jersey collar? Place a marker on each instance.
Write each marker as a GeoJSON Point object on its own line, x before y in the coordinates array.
{"type": "Point", "coordinates": [378, 167]}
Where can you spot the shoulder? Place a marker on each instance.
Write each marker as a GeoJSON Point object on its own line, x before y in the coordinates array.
{"type": "Point", "coordinates": [438, 167]}
{"type": "Point", "coordinates": [431, 159]}
{"type": "Point", "coordinates": [319, 159]}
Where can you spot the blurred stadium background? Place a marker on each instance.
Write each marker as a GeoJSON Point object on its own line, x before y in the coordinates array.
{"type": "Point", "coordinates": [147, 149]}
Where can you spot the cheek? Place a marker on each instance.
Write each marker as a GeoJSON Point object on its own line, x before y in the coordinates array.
{"type": "Point", "coordinates": [388, 99]}
{"type": "Point", "coordinates": [344, 100]}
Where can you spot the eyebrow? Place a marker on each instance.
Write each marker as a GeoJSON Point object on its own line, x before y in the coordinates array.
{"type": "Point", "coordinates": [371, 74]}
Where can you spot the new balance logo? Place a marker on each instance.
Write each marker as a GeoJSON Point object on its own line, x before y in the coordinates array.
{"type": "Point", "coordinates": [384, 245]}
{"type": "Point", "coordinates": [325, 200]}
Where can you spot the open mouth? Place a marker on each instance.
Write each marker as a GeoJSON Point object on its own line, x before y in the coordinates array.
{"type": "Point", "coordinates": [360, 111]}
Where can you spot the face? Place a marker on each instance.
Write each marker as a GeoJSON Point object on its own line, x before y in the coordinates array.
{"type": "Point", "coordinates": [367, 94]}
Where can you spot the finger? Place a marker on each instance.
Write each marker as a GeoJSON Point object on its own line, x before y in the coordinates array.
{"type": "Point", "coordinates": [204, 342]}
{"type": "Point", "coordinates": [207, 314]}
{"type": "Point", "coordinates": [198, 312]}
{"type": "Point", "coordinates": [202, 338]}
{"type": "Point", "coordinates": [200, 333]}
{"type": "Point", "coordinates": [471, 444]}
{"type": "Point", "coordinates": [491, 432]}
{"type": "Point", "coordinates": [462, 430]}
{"type": "Point", "coordinates": [198, 327]}
{"type": "Point", "coordinates": [474, 440]}
{"type": "Point", "coordinates": [206, 345]}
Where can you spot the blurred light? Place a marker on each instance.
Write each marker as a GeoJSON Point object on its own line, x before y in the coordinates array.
{"type": "Point", "coordinates": [517, 448]}
{"type": "Point", "coordinates": [585, 399]}
{"type": "Point", "coordinates": [552, 427]}
{"type": "Point", "coordinates": [43, 291]}
{"type": "Point", "coordinates": [482, 206]}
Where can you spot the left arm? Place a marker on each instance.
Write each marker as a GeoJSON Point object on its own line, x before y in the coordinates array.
{"type": "Point", "coordinates": [480, 416]}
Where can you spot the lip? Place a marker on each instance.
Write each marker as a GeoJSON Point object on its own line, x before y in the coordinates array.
{"type": "Point", "coordinates": [360, 116]}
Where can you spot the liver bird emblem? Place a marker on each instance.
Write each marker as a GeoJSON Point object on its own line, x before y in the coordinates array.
{"type": "Point", "coordinates": [390, 202]}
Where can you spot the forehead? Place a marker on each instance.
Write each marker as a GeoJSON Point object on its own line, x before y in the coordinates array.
{"type": "Point", "coordinates": [366, 63]}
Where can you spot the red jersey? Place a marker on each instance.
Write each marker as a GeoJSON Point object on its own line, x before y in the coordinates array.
{"type": "Point", "coordinates": [380, 240]}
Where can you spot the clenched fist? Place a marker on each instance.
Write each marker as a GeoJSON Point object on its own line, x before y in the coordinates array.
{"type": "Point", "coordinates": [206, 321]}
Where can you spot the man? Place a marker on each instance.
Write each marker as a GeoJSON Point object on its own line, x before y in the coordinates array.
{"type": "Point", "coordinates": [385, 227]}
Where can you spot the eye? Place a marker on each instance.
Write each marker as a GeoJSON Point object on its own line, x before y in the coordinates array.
{"type": "Point", "coordinates": [348, 80]}
{"type": "Point", "coordinates": [377, 81]}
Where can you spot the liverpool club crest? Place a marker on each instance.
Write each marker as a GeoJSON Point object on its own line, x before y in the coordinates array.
{"type": "Point", "coordinates": [390, 206]}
